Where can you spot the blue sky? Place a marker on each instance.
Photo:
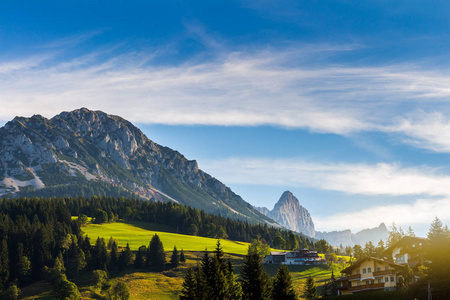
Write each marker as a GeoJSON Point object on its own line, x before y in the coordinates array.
{"type": "Point", "coordinates": [345, 103]}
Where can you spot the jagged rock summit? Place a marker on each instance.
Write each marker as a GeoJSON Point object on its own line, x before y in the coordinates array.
{"type": "Point", "coordinates": [84, 152]}
{"type": "Point", "coordinates": [289, 213]}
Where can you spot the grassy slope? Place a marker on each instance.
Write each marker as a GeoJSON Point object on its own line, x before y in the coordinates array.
{"type": "Point", "coordinates": [167, 285]}
{"type": "Point", "coordinates": [140, 233]}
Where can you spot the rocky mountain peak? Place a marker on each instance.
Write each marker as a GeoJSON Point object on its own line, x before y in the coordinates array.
{"type": "Point", "coordinates": [84, 147]}
{"type": "Point", "coordinates": [289, 213]}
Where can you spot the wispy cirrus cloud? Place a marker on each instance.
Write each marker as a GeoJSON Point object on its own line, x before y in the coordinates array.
{"type": "Point", "coordinates": [358, 179]}
{"type": "Point", "coordinates": [257, 87]}
{"type": "Point", "coordinates": [376, 180]}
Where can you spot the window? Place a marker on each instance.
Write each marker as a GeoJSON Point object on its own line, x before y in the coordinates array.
{"type": "Point", "coordinates": [364, 271]}
{"type": "Point", "coordinates": [392, 279]}
{"type": "Point", "coordinates": [357, 272]}
{"type": "Point", "coordinates": [414, 245]}
{"type": "Point", "coordinates": [386, 279]}
{"type": "Point", "coordinates": [358, 283]}
{"type": "Point", "coordinates": [378, 269]}
{"type": "Point", "coordinates": [367, 282]}
{"type": "Point", "coordinates": [380, 280]}
{"type": "Point", "coordinates": [369, 270]}
{"type": "Point", "coordinates": [420, 244]}
{"type": "Point", "coordinates": [386, 268]}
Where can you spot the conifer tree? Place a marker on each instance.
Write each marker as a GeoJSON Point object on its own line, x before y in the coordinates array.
{"type": "Point", "coordinates": [282, 285]}
{"type": "Point", "coordinates": [139, 261]}
{"type": "Point", "coordinates": [189, 287]}
{"type": "Point", "coordinates": [4, 263]}
{"type": "Point", "coordinates": [438, 250]}
{"type": "Point", "coordinates": [101, 256]}
{"type": "Point", "coordinates": [175, 259]}
{"type": "Point", "coordinates": [254, 280]}
{"type": "Point", "coordinates": [182, 257]}
{"type": "Point", "coordinates": [310, 291]}
{"type": "Point", "coordinates": [201, 285]}
{"type": "Point", "coordinates": [114, 255]}
{"type": "Point", "coordinates": [126, 258]}
{"type": "Point", "coordinates": [157, 256]}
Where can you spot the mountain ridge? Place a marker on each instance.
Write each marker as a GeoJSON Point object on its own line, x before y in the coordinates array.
{"type": "Point", "coordinates": [85, 147]}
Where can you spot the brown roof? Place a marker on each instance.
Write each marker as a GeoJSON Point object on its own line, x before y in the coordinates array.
{"type": "Point", "coordinates": [357, 263]}
{"type": "Point", "coordinates": [404, 242]}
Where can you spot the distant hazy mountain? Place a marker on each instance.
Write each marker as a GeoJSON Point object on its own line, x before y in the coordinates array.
{"type": "Point", "coordinates": [347, 238]}
{"type": "Point", "coordinates": [289, 213]}
{"type": "Point", "coordinates": [85, 152]}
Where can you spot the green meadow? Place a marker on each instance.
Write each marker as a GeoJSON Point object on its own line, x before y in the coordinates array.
{"type": "Point", "coordinates": [140, 233]}
{"type": "Point", "coordinates": [167, 284]}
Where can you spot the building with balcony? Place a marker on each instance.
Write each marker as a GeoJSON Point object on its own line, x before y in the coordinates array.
{"type": "Point", "coordinates": [369, 274]}
{"type": "Point", "coordinates": [301, 257]}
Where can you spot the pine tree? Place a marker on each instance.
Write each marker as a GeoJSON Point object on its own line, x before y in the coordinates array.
{"type": "Point", "coordinates": [438, 249]}
{"type": "Point", "coordinates": [157, 256]}
{"type": "Point", "coordinates": [189, 287]}
{"type": "Point", "coordinates": [101, 256]}
{"type": "Point", "coordinates": [125, 258]}
{"type": "Point", "coordinates": [331, 287]}
{"type": "Point", "coordinates": [4, 263]}
{"type": "Point", "coordinates": [255, 281]}
{"type": "Point", "coordinates": [139, 261]}
{"type": "Point", "coordinates": [175, 259]}
{"type": "Point", "coordinates": [282, 285]}
{"type": "Point", "coordinates": [114, 255]}
{"type": "Point", "coordinates": [201, 285]}
{"type": "Point", "coordinates": [379, 250]}
{"type": "Point", "coordinates": [310, 291]}
{"type": "Point", "coordinates": [182, 257]}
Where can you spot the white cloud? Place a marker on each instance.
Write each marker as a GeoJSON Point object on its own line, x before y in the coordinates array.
{"type": "Point", "coordinates": [266, 87]}
{"type": "Point", "coordinates": [419, 214]}
{"type": "Point", "coordinates": [359, 179]}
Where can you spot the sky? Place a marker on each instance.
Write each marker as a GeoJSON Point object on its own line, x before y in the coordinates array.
{"type": "Point", "coordinates": [344, 103]}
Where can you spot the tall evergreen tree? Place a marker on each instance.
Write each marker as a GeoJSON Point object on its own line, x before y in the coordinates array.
{"type": "Point", "coordinates": [254, 280]}
{"type": "Point", "coordinates": [4, 263]}
{"type": "Point", "coordinates": [101, 256]}
{"type": "Point", "coordinates": [201, 285]}
{"type": "Point", "coordinates": [282, 285]}
{"type": "Point", "coordinates": [310, 291]}
{"type": "Point", "coordinates": [139, 261]}
{"type": "Point", "coordinates": [114, 255]}
{"type": "Point", "coordinates": [189, 287]}
{"type": "Point", "coordinates": [157, 256]}
{"type": "Point", "coordinates": [175, 259]}
{"type": "Point", "coordinates": [182, 257]}
{"type": "Point", "coordinates": [438, 250]}
{"type": "Point", "coordinates": [125, 258]}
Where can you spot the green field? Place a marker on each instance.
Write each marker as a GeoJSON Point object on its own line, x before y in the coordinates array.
{"type": "Point", "coordinates": [167, 284]}
{"type": "Point", "coordinates": [140, 233]}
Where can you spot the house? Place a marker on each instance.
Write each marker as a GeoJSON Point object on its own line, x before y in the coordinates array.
{"type": "Point", "coordinates": [301, 257]}
{"type": "Point", "coordinates": [408, 250]}
{"type": "Point", "coordinates": [369, 274]}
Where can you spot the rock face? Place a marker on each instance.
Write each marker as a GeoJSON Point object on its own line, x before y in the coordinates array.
{"type": "Point", "coordinates": [83, 146]}
{"type": "Point", "coordinates": [347, 238]}
{"type": "Point", "coordinates": [290, 214]}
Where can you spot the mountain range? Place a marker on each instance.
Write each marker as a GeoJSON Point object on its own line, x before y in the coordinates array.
{"type": "Point", "coordinates": [84, 152]}
{"type": "Point", "coordinates": [87, 153]}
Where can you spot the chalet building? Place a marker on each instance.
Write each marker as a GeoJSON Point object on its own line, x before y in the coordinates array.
{"type": "Point", "coordinates": [369, 274]}
{"type": "Point", "coordinates": [409, 250]}
{"type": "Point", "coordinates": [302, 257]}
